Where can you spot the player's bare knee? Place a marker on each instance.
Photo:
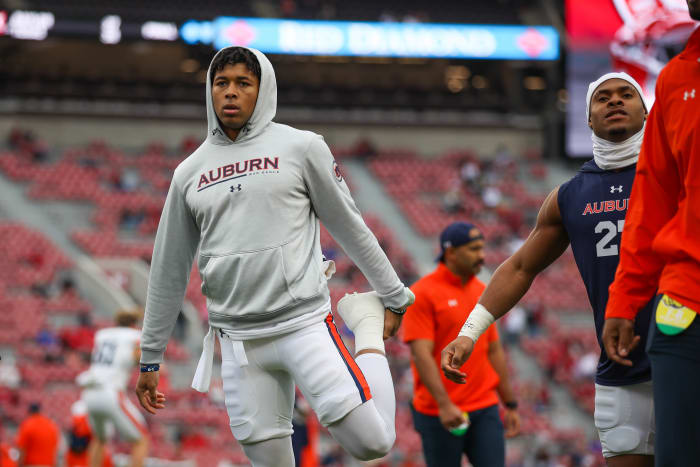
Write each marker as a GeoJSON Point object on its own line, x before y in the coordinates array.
{"type": "Point", "coordinates": [630, 460]}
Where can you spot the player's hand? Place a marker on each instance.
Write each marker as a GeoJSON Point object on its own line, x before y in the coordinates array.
{"type": "Point", "coordinates": [511, 422]}
{"type": "Point", "coordinates": [453, 357]}
{"type": "Point", "coordinates": [450, 415]}
{"type": "Point", "coordinates": [146, 390]}
{"type": "Point", "coordinates": [619, 340]}
{"type": "Point", "coordinates": [392, 322]}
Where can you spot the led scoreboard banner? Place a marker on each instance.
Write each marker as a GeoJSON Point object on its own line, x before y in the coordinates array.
{"type": "Point", "coordinates": [38, 25]}
{"type": "Point", "coordinates": [303, 37]}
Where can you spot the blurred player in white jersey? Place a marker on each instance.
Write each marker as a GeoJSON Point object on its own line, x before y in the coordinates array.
{"type": "Point", "coordinates": [115, 354]}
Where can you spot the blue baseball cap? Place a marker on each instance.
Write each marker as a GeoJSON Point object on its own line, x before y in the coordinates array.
{"type": "Point", "coordinates": [458, 234]}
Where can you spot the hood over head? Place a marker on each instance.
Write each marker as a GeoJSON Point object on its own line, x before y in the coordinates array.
{"type": "Point", "coordinates": [265, 107]}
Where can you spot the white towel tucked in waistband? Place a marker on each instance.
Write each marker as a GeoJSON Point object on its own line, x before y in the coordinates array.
{"type": "Point", "coordinates": [202, 375]}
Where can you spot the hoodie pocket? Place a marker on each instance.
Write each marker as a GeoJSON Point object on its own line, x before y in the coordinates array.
{"type": "Point", "coordinates": [303, 272]}
{"type": "Point", "coordinates": [246, 284]}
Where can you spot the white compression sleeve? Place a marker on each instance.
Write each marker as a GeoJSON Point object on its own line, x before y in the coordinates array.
{"type": "Point", "coordinates": [362, 433]}
{"type": "Point", "coordinates": [276, 452]}
{"type": "Point", "coordinates": [369, 431]}
{"type": "Point", "coordinates": [478, 321]}
{"type": "Point", "coordinates": [375, 367]}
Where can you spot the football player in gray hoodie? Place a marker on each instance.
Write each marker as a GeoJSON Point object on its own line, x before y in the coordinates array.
{"type": "Point", "coordinates": [249, 200]}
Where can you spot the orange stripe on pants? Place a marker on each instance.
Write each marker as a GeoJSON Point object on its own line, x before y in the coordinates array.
{"type": "Point", "coordinates": [349, 361]}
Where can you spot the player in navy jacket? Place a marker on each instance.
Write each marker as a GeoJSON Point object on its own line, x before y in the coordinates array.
{"type": "Point", "coordinates": [587, 212]}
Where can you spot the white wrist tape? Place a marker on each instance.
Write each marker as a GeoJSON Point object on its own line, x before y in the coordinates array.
{"type": "Point", "coordinates": [479, 320]}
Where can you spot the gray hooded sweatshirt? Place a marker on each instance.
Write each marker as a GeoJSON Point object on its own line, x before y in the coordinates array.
{"type": "Point", "coordinates": [252, 206]}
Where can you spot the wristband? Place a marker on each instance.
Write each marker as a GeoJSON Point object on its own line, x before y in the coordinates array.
{"type": "Point", "coordinates": [512, 405]}
{"type": "Point", "coordinates": [479, 320]}
{"type": "Point", "coordinates": [149, 367]}
{"type": "Point", "coordinates": [398, 311]}
{"type": "Point", "coordinates": [402, 310]}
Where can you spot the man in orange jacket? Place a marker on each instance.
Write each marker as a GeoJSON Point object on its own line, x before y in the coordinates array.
{"type": "Point", "coordinates": [442, 409]}
{"type": "Point", "coordinates": [660, 253]}
{"type": "Point", "coordinates": [37, 439]}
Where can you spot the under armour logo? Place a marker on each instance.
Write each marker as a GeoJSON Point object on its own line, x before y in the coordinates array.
{"type": "Point", "coordinates": [452, 302]}
{"type": "Point", "coordinates": [690, 94]}
{"type": "Point", "coordinates": [617, 189]}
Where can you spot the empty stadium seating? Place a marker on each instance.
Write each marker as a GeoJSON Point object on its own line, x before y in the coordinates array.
{"type": "Point", "coordinates": [127, 192]}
